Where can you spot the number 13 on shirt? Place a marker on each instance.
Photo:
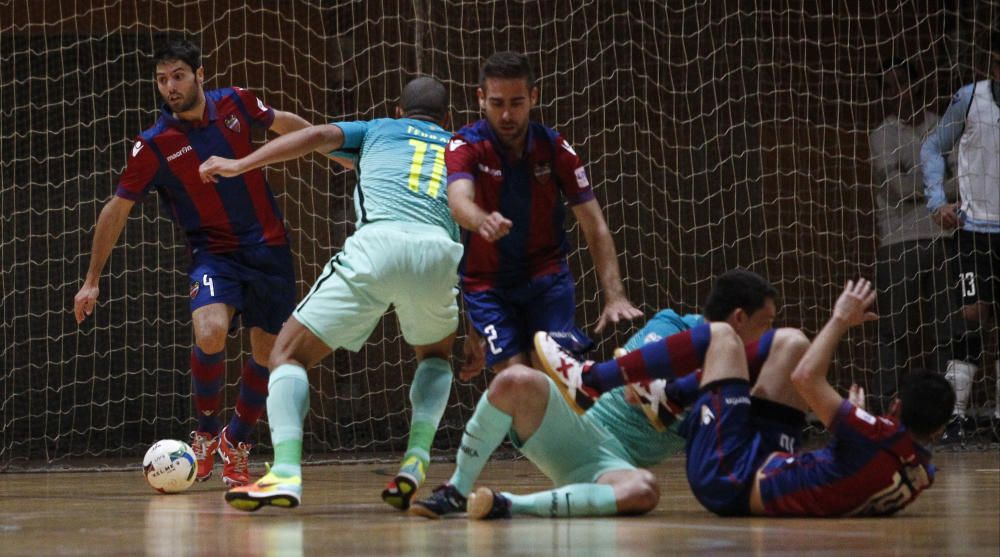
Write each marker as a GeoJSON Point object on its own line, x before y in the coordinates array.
{"type": "Point", "coordinates": [433, 184]}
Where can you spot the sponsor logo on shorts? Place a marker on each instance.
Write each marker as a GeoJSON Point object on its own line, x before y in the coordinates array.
{"type": "Point", "coordinates": [233, 123]}
{"type": "Point", "coordinates": [195, 286]}
{"type": "Point", "coordinates": [736, 400]}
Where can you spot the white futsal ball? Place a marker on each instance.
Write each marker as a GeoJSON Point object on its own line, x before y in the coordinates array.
{"type": "Point", "coordinates": [169, 466]}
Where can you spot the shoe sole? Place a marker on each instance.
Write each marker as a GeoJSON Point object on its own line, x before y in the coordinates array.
{"type": "Point", "coordinates": [406, 486]}
{"type": "Point", "coordinates": [652, 417]}
{"type": "Point", "coordinates": [557, 378]}
{"type": "Point", "coordinates": [419, 510]}
{"type": "Point", "coordinates": [245, 502]}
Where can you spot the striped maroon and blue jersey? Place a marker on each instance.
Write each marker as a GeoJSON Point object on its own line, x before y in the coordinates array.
{"type": "Point", "coordinates": [528, 191]}
{"type": "Point", "coordinates": [234, 213]}
{"type": "Point", "coordinates": [871, 467]}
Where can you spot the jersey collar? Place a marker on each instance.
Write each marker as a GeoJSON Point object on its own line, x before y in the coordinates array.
{"type": "Point", "coordinates": [210, 116]}
{"type": "Point", "coordinates": [501, 151]}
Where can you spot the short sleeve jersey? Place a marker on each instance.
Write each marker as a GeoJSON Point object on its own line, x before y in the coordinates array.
{"type": "Point", "coordinates": [235, 213]}
{"type": "Point", "coordinates": [529, 191]}
{"type": "Point", "coordinates": [401, 171]}
{"type": "Point", "coordinates": [871, 467]}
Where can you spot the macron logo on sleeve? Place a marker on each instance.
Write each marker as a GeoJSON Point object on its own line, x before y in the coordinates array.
{"type": "Point", "coordinates": [454, 144]}
{"type": "Point", "coordinates": [260, 103]}
{"type": "Point", "coordinates": [136, 148]}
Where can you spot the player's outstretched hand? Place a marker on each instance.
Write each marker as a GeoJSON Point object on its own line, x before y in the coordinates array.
{"type": "Point", "coordinates": [615, 311]}
{"type": "Point", "coordinates": [856, 395]}
{"type": "Point", "coordinates": [84, 302]}
{"type": "Point", "coordinates": [495, 226]}
{"type": "Point", "coordinates": [473, 356]}
{"type": "Point", "coordinates": [852, 305]}
{"type": "Point", "coordinates": [211, 169]}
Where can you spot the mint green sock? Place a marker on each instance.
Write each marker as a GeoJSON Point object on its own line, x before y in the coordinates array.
{"type": "Point", "coordinates": [483, 434]}
{"type": "Point", "coordinates": [567, 501]}
{"type": "Point", "coordinates": [287, 404]}
{"type": "Point", "coordinates": [429, 398]}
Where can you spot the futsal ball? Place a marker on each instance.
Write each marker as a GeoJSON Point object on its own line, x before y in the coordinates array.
{"type": "Point", "coordinates": [169, 466]}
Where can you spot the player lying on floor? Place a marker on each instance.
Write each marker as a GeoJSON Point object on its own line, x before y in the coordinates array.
{"type": "Point", "coordinates": [873, 466]}
{"type": "Point", "coordinates": [596, 460]}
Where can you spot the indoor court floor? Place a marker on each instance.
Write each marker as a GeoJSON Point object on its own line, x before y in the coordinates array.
{"type": "Point", "coordinates": [116, 513]}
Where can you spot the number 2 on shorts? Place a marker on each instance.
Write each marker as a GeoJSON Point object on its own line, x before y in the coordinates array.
{"type": "Point", "coordinates": [491, 335]}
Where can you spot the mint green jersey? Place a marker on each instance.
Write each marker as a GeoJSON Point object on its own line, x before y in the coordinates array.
{"type": "Point", "coordinates": [401, 171]}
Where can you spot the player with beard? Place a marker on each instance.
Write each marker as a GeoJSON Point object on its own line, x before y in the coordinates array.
{"type": "Point", "coordinates": [241, 262]}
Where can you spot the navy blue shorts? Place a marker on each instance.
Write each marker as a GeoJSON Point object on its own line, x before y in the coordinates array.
{"type": "Point", "coordinates": [724, 448]}
{"type": "Point", "coordinates": [258, 281]}
{"type": "Point", "coordinates": [508, 318]}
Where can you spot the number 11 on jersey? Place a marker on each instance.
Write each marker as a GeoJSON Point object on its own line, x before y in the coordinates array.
{"type": "Point", "coordinates": [417, 163]}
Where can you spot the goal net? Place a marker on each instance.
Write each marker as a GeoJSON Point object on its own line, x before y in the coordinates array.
{"type": "Point", "coordinates": [715, 134]}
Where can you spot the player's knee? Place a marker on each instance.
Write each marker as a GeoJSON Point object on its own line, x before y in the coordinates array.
{"type": "Point", "coordinates": [210, 338]}
{"type": "Point", "coordinates": [517, 382]}
{"type": "Point", "coordinates": [643, 494]}
{"type": "Point", "coordinates": [790, 340]}
{"type": "Point", "coordinates": [724, 336]}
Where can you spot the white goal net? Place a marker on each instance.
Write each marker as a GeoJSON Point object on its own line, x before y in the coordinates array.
{"type": "Point", "coordinates": [716, 134]}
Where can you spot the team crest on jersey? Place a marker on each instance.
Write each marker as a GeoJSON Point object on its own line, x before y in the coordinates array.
{"type": "Point", "coordinates": [233, 123]}
{"type": "Point", "coordinates": [542, 172]}
{"type": "Point", "coordinates": [195, 286]}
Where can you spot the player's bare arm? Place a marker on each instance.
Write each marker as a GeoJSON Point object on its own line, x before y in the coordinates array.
{"type": "Point", "coordinates": [468, 215]}
{"type": "Point", "coordinates": [287, 122]}
{"type": "Point", "coordinates": [109, 227]}
{"type": "Point", "coordinates": [602, 252]}
{"type": "Point", "coordinates": [322, 139]}
{"type": "Point", "coordinates": [810, 375]}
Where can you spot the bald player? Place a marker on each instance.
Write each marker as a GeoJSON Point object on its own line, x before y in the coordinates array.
{"type": "Point", "coordinates": [405, 253]}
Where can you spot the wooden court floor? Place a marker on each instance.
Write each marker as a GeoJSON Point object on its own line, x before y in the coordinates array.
{"type": "Point", "coordinates": [115, 513]}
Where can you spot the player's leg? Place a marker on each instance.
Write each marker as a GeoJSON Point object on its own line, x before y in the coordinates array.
{"type": "Point", "coordinates": [581, 382]}
{"type": "Point", "coordinates": [497, 321]}
{"type": "Point", "coordinates": [967, 345]}
{"type": "Point", "coordinates": [295, 349]}
{"type": "Point", "coordinates": [618, 492]}
{"type": "Point", "coordinates": [429, 394]}
{"type": "Point", "coordinates": [211, 322]}
{"type": "Point", "coordinates": [722, 449]}
{"type": "Point", "coordinates": [268, 298]}
{"type": "Point", "coordinates": [340, 310]}
{"type": "Point", "coordinates": [593, 472]}
{"type": "Point", "coordinates": [779, 413]}
{"type": "Point", "coordinates": [516, 401]}
{"type": "Point", "coordinates": [420, 269]}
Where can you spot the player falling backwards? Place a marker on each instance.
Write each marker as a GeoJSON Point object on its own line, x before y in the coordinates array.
{"type": "Point", "coordinates": [873, 465]}
{"type": "Point", "coordinates": [405, 253]}
{"type": "Point", "coordinates": [596, 460]}
{"type": "Point", "coordinates": [241, 264]}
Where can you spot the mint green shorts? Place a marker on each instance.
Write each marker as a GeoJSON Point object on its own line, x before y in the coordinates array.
{"type": "Point", "coordinates": [410, 266]}
{"type": "Point", "coordinates": [569, 448]}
